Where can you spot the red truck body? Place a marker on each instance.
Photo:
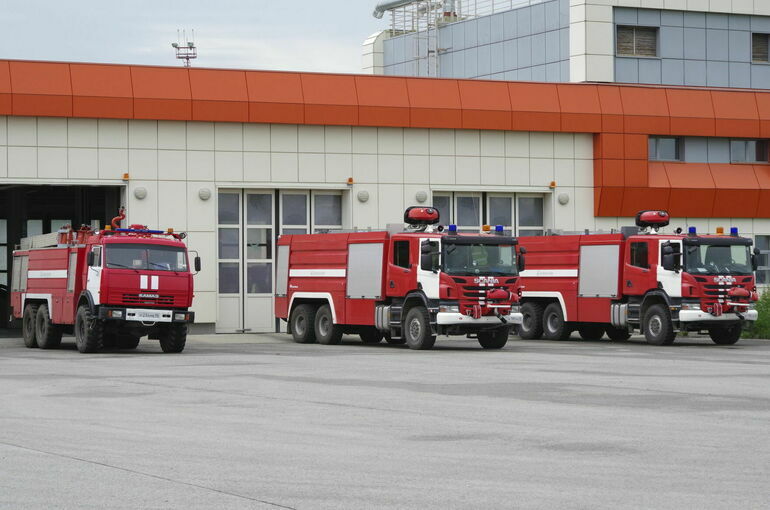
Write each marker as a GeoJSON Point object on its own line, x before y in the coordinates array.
{"type": "Point", "coordinates": [407, 287]}
{"type": "Point", "coordinates": [108, 287]}
{"type": "Point", "coordinates": [656, 283]}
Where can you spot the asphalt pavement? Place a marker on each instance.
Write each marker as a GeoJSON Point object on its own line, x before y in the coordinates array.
{"type": "Point", "coordinates": [256, 421]}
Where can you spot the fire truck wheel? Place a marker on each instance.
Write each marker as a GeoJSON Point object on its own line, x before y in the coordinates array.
{"type": "Point", "coordinates": [370, 336]}
{"type": "Point", "coordinates": [28, 326]}
{"type": "Point", "coordinates": [89, 332]}
{"type": "Point", "coordinates": [417, 330]}
{"type": "Point", "coordinates": [591, 332]}
{"type": "Point", "coordinates": [47, 333]}
{"type": "Point", "coordinates": [725, 335]}
{"type": "Point", "coordinates": [531, 327]}
{"type": "Point", "coordinates": [302, 324]}
{"type": "Point", "coordinates": [173, 337]}
{"type": "Point", "coordinates": [494, 339]}
{"type": "Point", "coordinates": [658, 329]}
{"type": "Point", "coordinates": [618, 334]}
{"type": "Point", "coordinates": [326, 332]}
{"type": "Point", "coordinates": [554, 327]}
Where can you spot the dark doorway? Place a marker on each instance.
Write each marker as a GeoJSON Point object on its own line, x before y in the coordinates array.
{"type": "Point", "coordinates": [30, 210]}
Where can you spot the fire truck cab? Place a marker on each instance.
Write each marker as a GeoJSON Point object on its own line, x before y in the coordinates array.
{"type": "Point", "coordinates": [403, 286]}
{"type": "Point", "coordinates": [639, 279]}
{"type": "Point", "coordinates": [109, 288]}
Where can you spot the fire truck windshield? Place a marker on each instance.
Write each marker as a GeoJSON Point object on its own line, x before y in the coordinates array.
{"type": "Point", "coordinates": [711, 259]}
{"type": "Point", "coordinates": [473, 259]}
{"type": "Point", "coordinates": [148, 257]}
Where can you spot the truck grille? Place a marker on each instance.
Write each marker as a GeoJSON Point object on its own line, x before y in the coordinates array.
{"type": "Point", "coordinates": [136, 299]}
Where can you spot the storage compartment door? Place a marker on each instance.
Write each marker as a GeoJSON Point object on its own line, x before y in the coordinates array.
{"type": "Point", "coordinates": [599, 266]}
{"type": "Point", "coordinates": [364, 271]}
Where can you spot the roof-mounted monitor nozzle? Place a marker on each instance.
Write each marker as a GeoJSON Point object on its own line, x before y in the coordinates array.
{"type": "Point", "coordinates": [654, 220]}
{"type": "Point", "coordinates": [419, 218]}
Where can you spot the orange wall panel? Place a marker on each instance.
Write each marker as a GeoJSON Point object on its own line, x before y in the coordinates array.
{"type": "Point", "coordinates": [160, 83]}
{"type": "Point", "coordinates": [486, 119]}
{"type": "Point", "coordinates": [218, 85]}
{"type": "Point", "coordinates": [691, 202]}
{"type": "Point", "coordinates": [330, 99]}
{"type": "Point", "coordinates": [636, 173]}
{"type": "Point", "coordinates": [692, 112]}
{"type": "Point", "coordinates": [5, 89]}
{"type": "Point", "coordinates": [612, 109]}
{"type": "Point", "coordinates": [535, 106]}
{"type": "Point", "coordinates": [639, 199]}
{"type": "Point", "coordinates": [434, 103]}
{"type": "Point", "coordinates": [613, 172]}
{"type": "Point", "coordinates": [485, 104]}
{"type": "Point", "coordinates": [40, 78]}
{"type": "Point", "coordinates": [277, 113]}
{"type": "Point", "coordinates": [736, 113]}
{"type": "Point", "coordinates": [636, 147]}
{"type": "Point", "coordinates": [103, 107]}
{"type": "Point", "coordinates": [580, 108]}
{"type": "Point", "coordinates": [611, 203]}
{"type": "Point", "coordinates": [162, 109]}
{"type": "Point", "coordinates": [735, 203]}
{"type": "Point", "coordinates": [612, 146]}
{"type": "Point", "coordinates": [220, 111]}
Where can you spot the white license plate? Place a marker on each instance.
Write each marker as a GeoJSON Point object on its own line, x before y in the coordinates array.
{"type": "Point", "coordinates": [148, 315]}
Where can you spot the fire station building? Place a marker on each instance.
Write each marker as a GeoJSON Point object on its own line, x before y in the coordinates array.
{"type": "Point", "coordinates": [236, 158]}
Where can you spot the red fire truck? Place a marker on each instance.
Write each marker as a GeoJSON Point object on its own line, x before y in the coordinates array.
{"type": "Point", "coordinates": [109, 287]}
{"type": "Point", "coordinates": [639, 279]}
{"type": "Point", "coordinates": [404, 286]}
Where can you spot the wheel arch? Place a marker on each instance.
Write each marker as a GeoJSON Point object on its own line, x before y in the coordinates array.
{"type": "Point", "coordinates": [317, 298]}
{"type": "Point", "coordinates": [86, 299]}
{"type": "Point", "coordinates": [653, 297]}
{"type": "Point", "coordinates": [544, 299]}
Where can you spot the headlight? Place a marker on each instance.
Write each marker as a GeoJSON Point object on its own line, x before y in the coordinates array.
{"type": "Point", "coordinates": [116, 314]}
{"type": "Point", "coordinates": [449, 309]}
{"type": "Point", "coordinates": [180, 316]}
{"type": "Point", "coordinates": [691, 306]}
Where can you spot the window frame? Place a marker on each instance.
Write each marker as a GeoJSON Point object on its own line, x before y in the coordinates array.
{"type": "Point", "coordinates": [754, 36]}
{"type": "Point", "coordinates": [634, 29]}
{"type": "Point", "coordinates": [632, 252]}
{"type": "Point", "coordinates": [657, 157]}
{"type": "Point", "coordinates": [322, 226]}
{"type": "Point", "coordinates": [517, 218]}
{"type": "Point", "coordinates": [763, 272]}
{"type": "Point", "coordinates": [396, 245]}
{"type": "Point", "coordinates": [746, 141]}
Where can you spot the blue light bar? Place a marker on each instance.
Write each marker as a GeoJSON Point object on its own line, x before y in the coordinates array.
{"type": "Point", "coordinates": [692, 230]}
{"type": "Point", "coordinates": [498, 228]}
{"type": "Point", "coordinates": [733, 231]}
{"type": "Point", "coordinates": [453, 228]}
{"type": "Point", "coordinates": [136, 231]}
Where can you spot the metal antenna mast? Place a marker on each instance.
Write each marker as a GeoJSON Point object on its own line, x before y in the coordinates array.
{"type": "Point", "coordinates": [185, 49]}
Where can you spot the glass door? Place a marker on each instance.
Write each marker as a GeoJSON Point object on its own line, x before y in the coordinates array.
{"type": "Point", "coordinates": [229, 233]}
{"type": "Point", "coordinates": [258, 277]}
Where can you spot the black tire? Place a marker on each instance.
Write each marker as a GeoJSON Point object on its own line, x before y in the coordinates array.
{"type": "Point", "coordinates": [28, 326]}
{"type": "Point", "coordinates": [370, 335]}
{"type": "Point", "coordinates": [417, 331]}
{"type": "Point", "coordinates": [109, 341]}
{"type": "Point", "coordinates": [89, 332]}
{"type": "Point", "coordinates": [725, 335]}
{"type": "Point", "coordinates": [326, 331]}
{"type": "Point", "coordinates": [658, 327]}
{"type": "Point", "coordinates": [495, 339]}
{"type": "Point", "coordinates": [554, 327]}
{"type": "Point", "coordinates": [127, 341]}
{"type": "Point", "coordinates": [531, 327]}
{"type": "Point", "coordinates": [618, 334]}
{"type": "Point", "coordinates": [303, 324]}
{"type": "Point", "coordinates": [47, 333]}
{"type": "Point", "coordinates": [173, 337]}
{"type": "Point", "coordinates": [591, 332]}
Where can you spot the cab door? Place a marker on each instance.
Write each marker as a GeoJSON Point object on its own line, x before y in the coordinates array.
{"type": "Point", "coordinates": [639, 274]}
{"type": "Point", "coordinates": [402, 267]}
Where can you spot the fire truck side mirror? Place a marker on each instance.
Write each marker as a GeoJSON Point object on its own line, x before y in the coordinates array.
{"type": "Point", "coordinates": [91, 259]}
{"type": "Point", "coordinates": [429, 256]}
{"type": "Point", "coordinates": [755, 259]}
{"type": "Point", "coordinates": [671, 258]}
{"type": "Point", "coordinates": [197, 264]}
{"type": "Point", "coordinates": [521, 264]}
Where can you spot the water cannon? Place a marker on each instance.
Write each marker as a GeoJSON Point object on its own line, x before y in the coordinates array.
{"type": "Point", "coordinates": [417, 215]}
{"type": "Point", "coordinates": [652, 219]}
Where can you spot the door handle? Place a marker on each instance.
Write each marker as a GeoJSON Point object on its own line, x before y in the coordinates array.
{"type": "Point", "coordinates": [406, 271]}
{"type": "Point", "coordinates": [392, 284]}
{"type": "Point", "coordinates": [629, 284]}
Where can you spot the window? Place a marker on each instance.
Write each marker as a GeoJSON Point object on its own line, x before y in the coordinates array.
{"type": "Point", "coordinates": [665, 148]}
{"type": "Point", "coordinates": [97, 256]}
{"type": "Point", "coordinates": [763, 271]}
{"type": "Point", "coordinates": [3, 252]}
{"type": "Point", "coordinates": [468, 210]}
{"type": "Point", "coordinates": [748, 151]}
{"type": "Point", "coordinates": [229, 220]}
{"type": "Point", "coordinates": [637, 41]}
{"type": "Point", "coordinates": [530, 216]}
{"type": "Point", "coordinates": [759, 47]}
{"type": "Point", "coordinates": [144, 257]}
{"type": "Point", "coordinates": [443, 203]}
{"type": "Point", "coordinates": [327, 211]}
{"type": "Point", "coordinates": [401, 254]}
{"type": "Point", "coordinates": [519, 214]}
{"type": "Point", "coordinates": [639, 255]}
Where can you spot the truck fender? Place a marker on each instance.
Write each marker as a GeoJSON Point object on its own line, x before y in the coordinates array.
{"type": "Point", "coordinates": [652, 297]}
{"type": "Point", "coordinates": [86, 297]}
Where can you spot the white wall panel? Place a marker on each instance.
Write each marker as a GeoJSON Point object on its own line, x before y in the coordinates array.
{"type": "Point", "coordinates": [52, 132]}
{"type": "Point", "coordinates": [172, 206]}
{"type": "Point", "coordinates": [112, 133]}
{"type": "Point", "coordinates": [390, 140]}
{"type": "Point", "coordinates": [563, 145]}
{"type": "Point", "coordinates": [492, 171]}
{"type": "Point", "coordinates": [113, 163]}
{"type": "Point", "coordinates": [442, 169]}
{"type": "Point", "coordinates": [200, 165]}
{"type": "Point", "coordinates": [144, 211]}
{"type": "Point", "coordinates": [339, 167]}
{"type": "Point", "coordinates": [584, 172]}
{"type": "Point", "coordinates": [228, 136]}
{"type": "Point", "coordinates": [284, 166]}
{"type": "Point", "coordinates": [517, 171]}
{"type": "Point", "coordinates": [205, 243]}
{"type": "Point", "coordinates": [541, 171]}
{"type": "Point", "coordinates": [564, 215]}
{"type": "Point", "coordinates": [442, 142]}
{"type": "Point", "coordinates": [584, 208]}
{"type": "Point", "coordinates": [83, 163]}
{"type": "Point", "coordinates": [364, 168]}
{"type": "Point", "coordinates": [391, 203]}
{"type": "Point", "coordinates": [172, 165]}
{"type": "Point", "coordinates": [364, 140]}
{"type": "Point", "coordinates": [3, 130]}
{"type": "Point", "coordinates": [228, 166]}
{"type": "Point", "coordinates": [3, 161]}
{"type": "Point", "coordinates": [416, 169]}
{"type": "Point", "coordinates": [339, 139]}
{"type": "Point", "coordinates": [81, 132]}
{"type": "Point", "coordinates": [256, 137]}
{"type": "Point", "coordinates": [467, 143]}
{"type": "Point", "coordinates": [516, 144]}
{"type": "Point", "coordinates": [256, 166]}
{"type": "Point", "coordinates": [310, 139]}
{"type": "Point", "coordinates": [492, 143]}
{"type": "Point", "coordinates": [201, 214]}
{"type": "Point", "coordinates": [22, 162]}
{"type": "Point", "coordinates": [143, 164]}
{"type": "Point", "coordinates": [390, 168]}
{"type": "Point", "coordinates": [283, 138]}
{"type": "Point", "coordinates": [312, 168]}
{"type": "Point", "coordinates": [22, 131]}
{"type": "Point", "coordinates": [541, 145]}
{"type": "Point", "coordinates": [417, 141]}
{"type": "Point", "coordinates": [200, 136]}
{"type": "Point", "coordinates": [172, 134]}
{"type": "Point", "coordinates": [52, 162]}
{"type": "Point", "coordinates": [143, 134]}
{"type": "Point", "coordinates": [468, 170]}
{"type": "Point", "coordinates": [564, 172]}
{"type": "Point", "coordinates": [366, 214]}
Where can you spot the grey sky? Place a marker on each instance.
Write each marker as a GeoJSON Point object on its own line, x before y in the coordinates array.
{"type": "Point", "coordinates": [252, 34]}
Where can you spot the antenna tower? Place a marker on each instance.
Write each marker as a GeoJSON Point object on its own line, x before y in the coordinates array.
{"type": "Point", "coordinates": [185, 49]}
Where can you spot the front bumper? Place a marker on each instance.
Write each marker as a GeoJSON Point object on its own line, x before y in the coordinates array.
{"type": "Point", "coordinates": [145, 315]}
{"type": "Point", "coordinates": [453, 319]}
{"type": "Point", "coordinates": [701, 316]}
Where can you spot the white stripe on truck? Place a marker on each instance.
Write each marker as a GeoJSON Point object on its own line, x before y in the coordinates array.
{"type": "Point", "coordinates": [51, 273]}
{"type": "Point", "coordinates": [546, 273]}
{"type": "Point", "coordinates": [317, 273]}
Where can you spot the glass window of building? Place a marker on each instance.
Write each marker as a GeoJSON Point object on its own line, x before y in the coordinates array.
{"type": "Point", "coordinates": [759, 47]}
{"type": "Point", "coordinates": [530, 216]}
{"type": "Point", "coordinates": [637, 41]}
{"type": "Point", "coordinates": [665, 148]}
{"type": "Point", "coordinates": [763, 271]}
{"type": "Point", "coordinates": [748, 151]}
